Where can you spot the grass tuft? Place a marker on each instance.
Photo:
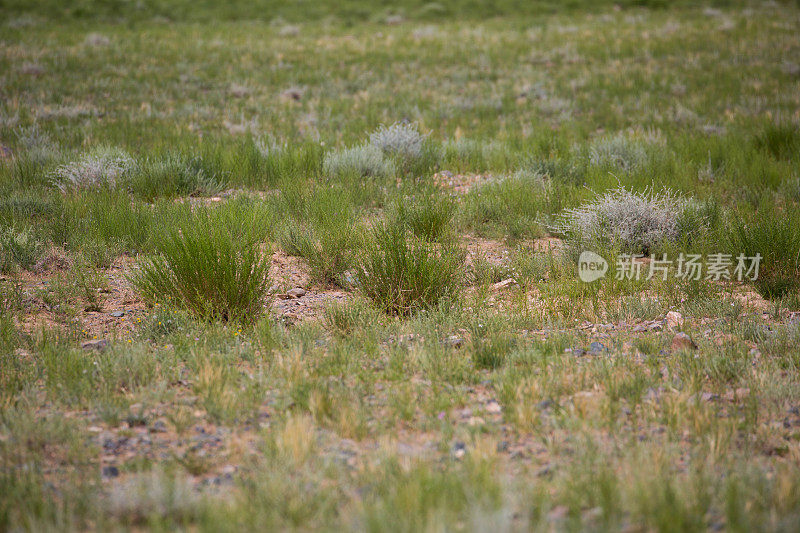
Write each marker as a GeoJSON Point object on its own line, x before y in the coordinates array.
{"type": "Point", "coordinates": [216, 271]}
{"type": "Point", "coordinates": [401, 274]}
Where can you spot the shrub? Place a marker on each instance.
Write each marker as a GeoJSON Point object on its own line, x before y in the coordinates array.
{"type": "Point", "coordinates": [98, 169]}
{"type": "Point", "coordinates": [401, 139]}
{"type": "Point", "coordinates": [175, 175]}
{"type": "Point", "coordinates": [631, 221]}
{"type": "Point", "coordinates": [429, 216]}
{"type": "Point", "coordinates": [773, 235]}
{"type": "Point", "coordinates": [365, 161]}
{"type": "Point", "coordinates": [17, 249]}
{"type": "Point", "coordinates": [216, 271]}
{"type": "Point", "coordinates": [618, 151]}
{"type": "Point", "coordinates": [401, 274]}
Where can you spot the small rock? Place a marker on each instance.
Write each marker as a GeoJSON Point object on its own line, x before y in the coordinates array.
{"type": "Point", "coordinates": [682, 341]}
{"type": "Point", "coordinates": [459, 449]}
{"type": "Point", "coordinates": [674, 320]}
{"type": "Point", "coordinates": [118, 314]}
{"type": "Point", "coordinates": [98, 344]}
{"type": "Point", "coordinates": [493, 407]}
{"type": "Point", "coordinates": [597, 347]}
{"type": "Point", "coordinates": [110, 471]}
{"type": "Point", "coordinates": [454, 341]}
{"type": "Point", "coordinates": [475, 421]}
{"type": "Point", "coordinates": [295, 293]}
{"type": "Point", "coordinates": [159, 426]}
{"type": "Point", "coordinates": [503, 284]}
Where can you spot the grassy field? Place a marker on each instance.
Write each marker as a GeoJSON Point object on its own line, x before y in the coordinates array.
{"type": "Point", "coordinates": [278, 266]}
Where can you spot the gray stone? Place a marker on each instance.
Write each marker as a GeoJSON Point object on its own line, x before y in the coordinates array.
{"type": "Point", "coordinates": [118, 314]}
{"type": "Point", "coordinates": [97, 344]}
{"type": "Point", "coordinates": [682, 341]}
{"type": "Point", "coordinates": [295, 293]}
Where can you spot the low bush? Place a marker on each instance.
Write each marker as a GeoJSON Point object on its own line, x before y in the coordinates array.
{"type": "Point", "coordinates": [366, 161]}
{"type": "Point", "coordinates": [631, 221]}
{"type": "Point", "coordinates": [100, 168]}
{"type": "Point", "coordinates": [175, 175]}
{"type": "Point", "coordinates": [216, 271]}
{"type": "Point", "coordinates": [619, 151]}
{"type": "Point", "coordinates": [401, 139]}
{"type": "Point", "coordinates": [402, 274]}
{"type": "Point", "coordinates": [18, 249]}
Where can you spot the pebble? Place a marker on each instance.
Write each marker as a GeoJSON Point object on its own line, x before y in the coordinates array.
{"type": "Point", "coordinates": [597, 347]}
{"type": "Point", "coordinates": [159, 426]}
{"type": "Point", "coordinates": [295, 293]}
{"type": "Point", "coordinates": [459, 449]}
{"type": "Point", "coordinates": [110, 471]}
{"type": "Point", "coordinates": [454, 341]}
{"type": "Point", "coordinates": [493, 407]}
{"type": "Point", "coordinates": [118, 314]}
{"type": "Point", "coordinates": [98, 344]}
{"type": "Point", "coordinates": [682, 341]}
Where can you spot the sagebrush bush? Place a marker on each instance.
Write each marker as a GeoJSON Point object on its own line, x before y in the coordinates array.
{"type": "Point", "coordinates": [631, 221]}
{"type": "Point", "coordinates": [215, 270]}
{"type": "Point", "coordinates": [364, 160]}
{"type": "Point", "coordinates": [100, 168]}
{"type": "Point", "coordinates": [620, 151]}
{"type": "Point", "coordinates": [401, 139]}
{"type": "Point", "coordinates": [18, 249]}
{"type": "Point", "coordinates": [402, 274]}
{"type": "Point", "coordinates": [175, 175]}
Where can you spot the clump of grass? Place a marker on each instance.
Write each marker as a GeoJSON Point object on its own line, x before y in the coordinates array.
{"type": "Point", "coordinates": [214, 270]}
{"type": "Point", "coordinates": [513, 205]}
{"type": "Point", "coordinates": [365, 161]}
{"type": "Point", "coordinates": [402, 274]}
{"type": "Point", "coordinates": [175, 175]}
{"type": "Point", "coordinates": [100, 168]}
{"type": "Point", "coordinates": [782, 140]}
{"type": "Point", "coordinates": [401, 139]}
{"type": "Point", "coordinates": [18, 249]}
{"type": "Point", "coordinates": [619, 151]}
{"type": "Point", "coordinates": [429, 216]}
{"type": "Point", "coordinates": [631, 221]}
{"type": "Point", "coordinates": [323, 234]}
{"type": "Point", "coordinates": [773, 235]}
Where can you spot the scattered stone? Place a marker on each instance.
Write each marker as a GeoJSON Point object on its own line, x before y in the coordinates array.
{"type": "Point", "coordinates": [118, 314]}
{"type": "Point", "coordinates": [110, 471]}
{"type": "Point", "coordinates": [674, 320]}
{"type": "Point", "coordinates": [459, 450]}
{"type": "Point", "coordinates": [454, 341]}
{"type": "Point", "coordinates": [682, 341]}
{"type": "Point", "coordinates": [493, 407]}
{"type": "Point", "coordinates": [597, 347]}
{"type": "Point", "coordinates": [295, 293]}
{"type": "Point", "coordinates": [159, 426]}
{"type": "Point", "coordinates": [98, 344]}
{"type": "Point", "coordinates": [503, 284]}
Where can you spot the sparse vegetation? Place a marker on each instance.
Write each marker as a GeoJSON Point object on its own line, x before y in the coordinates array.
{"type": "Point", "coordinates": [216, 271]}
{"type": "Point", "coordinates": [279, 266]}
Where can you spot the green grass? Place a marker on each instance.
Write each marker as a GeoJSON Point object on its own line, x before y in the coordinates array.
{"type": "Point", "coordinates": [401, 274]}
{"type": "Point", "coordinates": [446, 369]}
{"type": "Point", "coordinates": [215, 270]}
